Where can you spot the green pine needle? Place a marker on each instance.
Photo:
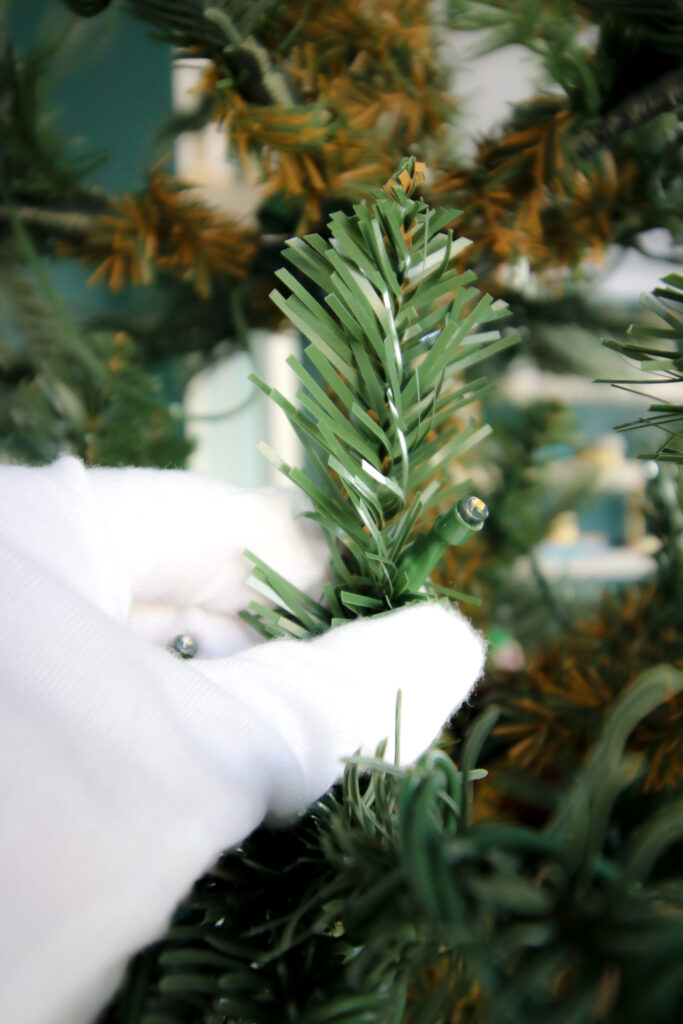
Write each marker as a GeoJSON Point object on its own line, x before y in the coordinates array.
{"type": "Point", "coordinates": [391, 323]}
{"type": "Point", "coordinates": [387, 903]}
{"type": "Point", "coordinates": [658, 351]}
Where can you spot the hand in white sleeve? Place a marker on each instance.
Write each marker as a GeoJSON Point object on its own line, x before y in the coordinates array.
{"type": "Point", "coordinates": [125, 771]}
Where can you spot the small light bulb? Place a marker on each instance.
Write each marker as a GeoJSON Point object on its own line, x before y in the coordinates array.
{"type": "Point", "coordinates": [183, 646]}
{"type": "Point", "coordinates": [473, 510]}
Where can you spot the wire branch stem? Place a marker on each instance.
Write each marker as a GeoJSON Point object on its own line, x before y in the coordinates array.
{"type": "Point", "coordinates": [659, 97]}
{"type": "Point", "coordinates": [69, 223]}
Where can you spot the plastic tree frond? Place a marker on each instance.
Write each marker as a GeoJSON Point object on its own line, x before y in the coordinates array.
{"type": "Point", "coordinates": [658, 350]}
{"type": "Point", "coordinates": [163, 229]}
{"type": "Point", "coordinates": [389, 905]}
{"type": "Point", "coordinates": [65, 388]}
{"type": "Point", "coordinates": [556, 706]}
{"type": "Point", "coordinates": [391, 324]}
{"type": "Point", "coordinates": [193, 22]}
{"type": "Point", "coordinates": [35, 164]}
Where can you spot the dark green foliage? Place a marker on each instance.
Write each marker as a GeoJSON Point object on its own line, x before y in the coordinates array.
{"type": "Point", "coordinates": [657, 146]}
{"type": "Point", "coordinates": [551, 31]}
{"type": "Point", "coordinates": [665, 521]}
{"type": "Point", "coordinates": [533, 473]}
{"type": "Point", "coordinates": [66, 390]}
{"type": "Point", "coordinates": [525, 458]}
{"type": "Point", "coordinates": [224, 32]}
{"type": "Point", "coordinates": [35, 166]}
{"type": "Point", "coordinates": [655, 345]}
{"type": "Point", "coordinates": [388, 903]}
{"type": "Point", "coordinates": [659, 24]}
{"type": "Point", "coordinates": [87, 8]}
{"type": "Point", "coordinates": [658, 351]}
{"type": "Point", "coordinates": [387, 882]}
{"type": "Point", "coordinates": [180, 22]}
{"type": "Point", "coordinates": [185, 22]}
{"type": "Point", "coordinates": [623, 75]}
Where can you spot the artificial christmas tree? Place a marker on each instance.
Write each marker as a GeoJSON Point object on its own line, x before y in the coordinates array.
{"type": "Point", "coordinates": [447, 919]}
{"type": "Point", "coordinates": [549, 889]}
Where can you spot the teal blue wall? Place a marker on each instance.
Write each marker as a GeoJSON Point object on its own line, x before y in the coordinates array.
{"type": "Point", "coordinates": [110, 87]}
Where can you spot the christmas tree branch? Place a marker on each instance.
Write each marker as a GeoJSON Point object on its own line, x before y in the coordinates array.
{"type": "Point", "coordinates": [658, 350]}
{"type": "Point", "coordinates": [391, 325]}
{"type": "Point", "coordinates": [401, 905]}
{"type": "Point", "coordinates": [62, 223]}
{"type": "Point", "coordinates": [664, 95]}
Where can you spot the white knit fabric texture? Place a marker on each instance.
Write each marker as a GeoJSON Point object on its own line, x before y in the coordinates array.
{"type": "Point", "coordinates": [124, 771]}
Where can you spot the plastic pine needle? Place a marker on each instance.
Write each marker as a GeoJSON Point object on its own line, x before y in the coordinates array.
{"type": "Point", "coordinates": [390, 325]}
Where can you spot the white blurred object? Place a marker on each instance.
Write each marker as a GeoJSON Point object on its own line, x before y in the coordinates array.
{"type": "Point", "coordinates": [227, 415]}
{"type": "Point", "coordinates": [201, 157]}
{"type": "Point", "coordinates": [525, 382]}
{"type": "Point", "coordinates": [593, 559]}
{"type": "Point", "coordinates": [615, 472]}
{"type": "Point", "coordinates": [564, 528]}
{"type": "Point", "coordinates": [635, 274]}
{"type": "Point", "coordinates": [272, 350]}
{"type": "Point", "coordinates": [487, 87]}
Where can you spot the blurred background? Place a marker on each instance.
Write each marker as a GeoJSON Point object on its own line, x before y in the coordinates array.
{"type": "Point", "coordinates": [155, 158]}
